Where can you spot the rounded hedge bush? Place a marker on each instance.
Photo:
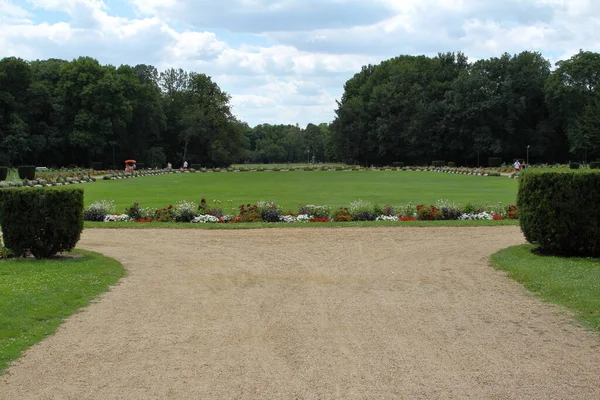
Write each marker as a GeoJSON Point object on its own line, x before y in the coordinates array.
{"type": "Point", "coordinates": [559, 211]}
{"type": "Point", "coordinates": [41, 221]}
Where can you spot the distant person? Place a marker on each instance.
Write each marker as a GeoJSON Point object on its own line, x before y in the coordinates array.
{"type": "Point", "coordinates": [523, 166]}
{"type": "Point", "coordinates": [185, 165]}
{"type": "Point", "coordinates": [517, 166]}
{"type": "Point", "coordinates": [169, 166]}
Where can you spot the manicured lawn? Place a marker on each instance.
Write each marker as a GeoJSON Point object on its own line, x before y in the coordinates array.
{"type": "Point", "coordinates": [37, 295]}
{"type": "Point", "coordinates": [570, 282]}
{"type": "Point", "coordinates": [290, 189]}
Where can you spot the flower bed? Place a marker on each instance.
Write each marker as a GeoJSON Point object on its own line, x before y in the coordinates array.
{"type": "Point", "coordinates": [47, 180]}
{"type": "Point", "coordinates": [360, 210]}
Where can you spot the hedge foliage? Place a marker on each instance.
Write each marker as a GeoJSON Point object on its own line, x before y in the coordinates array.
{"type": "Point", "coordinates": [41, 221]}
{"type": "Point", "coordinates": [595, 165]}
{"type": "Point", "coordinates": [574, 165]}
{"type": "Point", "coordinates": [559, 211]}
{"type": "Point", "coordinates": [438, 163]}
{"type": "Point", "coordinates": [3, 173]}
{"type": "Point", "coordinates": [26, 172]}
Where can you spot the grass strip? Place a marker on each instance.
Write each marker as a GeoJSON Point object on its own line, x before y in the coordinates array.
{"type": "Point", "coordinates": [37, 295]}
{"type": "Point", "coordinates": [570, 282]}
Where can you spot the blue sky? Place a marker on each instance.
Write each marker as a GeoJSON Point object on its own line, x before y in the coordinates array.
{"type": "Point", "coordinates": [286, 61]}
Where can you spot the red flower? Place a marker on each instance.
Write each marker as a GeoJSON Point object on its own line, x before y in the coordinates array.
{"type": "Point", "coordinates": [405, 218]}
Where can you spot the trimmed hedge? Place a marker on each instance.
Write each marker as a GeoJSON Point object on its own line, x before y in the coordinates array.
{"type": "Point", "coordinates": [43, 221]}
{"type": "Point", "coordinates": [595, 165]}
{"type": "Point", "coordinates": [3, 173]}
{"type": "Point", "coordinates": [559, 211]}
{"type": "Point", "coordinates": [26, 172]}
{"type": "Point", "coordinates": [438, 163]}
{"type": "Point", "coordinates": [495, 162]}
{"type": "Point", "coordinates": [574, 165]}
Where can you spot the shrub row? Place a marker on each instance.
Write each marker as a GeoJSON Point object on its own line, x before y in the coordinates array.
{"type": "Point", "coordinates": [560, 211]}
{"type": "Point", "coordinates": [41, 222]}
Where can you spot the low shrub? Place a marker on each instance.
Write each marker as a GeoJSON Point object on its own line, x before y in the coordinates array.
{"type": "Point", "coordinates": [196, 166]}
{"type": "Point", "coordinates": [185, 211]}
{"type": "Point", "coordinates": [364, 216]}
{"type": "Point", "coordinates": [98, 210]}
{"type": "Point", "coordinates": [342, 214]}
{"type": "Point", "coordinates": [26, 172]}
{"type": "Point", "coordinates": [559, 211]}
{"type": "Point", "coordinates": [315, 211]}
{"type": "Point", "coordinates": [3, 173]}
{"type": "Point", "coordinates": [41, 221]}
{"type": "Point", "coordinates": [430, 213]}
{"type": "Point", "coordinates": [165, 214]}
{"type": "Point", "coordinates": [574, 165]}
{"type": "Point", "coordinates": [269, 212]}
{"type": "Point", "coordinates": [451, 164]}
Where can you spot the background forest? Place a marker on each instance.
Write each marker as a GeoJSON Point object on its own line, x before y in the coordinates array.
{"type": "Point", "coordinates": [413, 109]}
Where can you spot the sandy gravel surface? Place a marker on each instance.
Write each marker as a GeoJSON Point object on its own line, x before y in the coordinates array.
{"type": "Point", "coordinates": [353, 313]}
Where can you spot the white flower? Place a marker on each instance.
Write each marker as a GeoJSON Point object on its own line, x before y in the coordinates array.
{"type": "Point", "coordinates": [205, 219]}
{"type": "Point", "coordinates": [117, 218]}
{"type": "Point", "coordinates": [287, 218]}
{"type": "Point", "coordinates": [387, 218]}
{"type": "Point", "coordinates": [303, 218]}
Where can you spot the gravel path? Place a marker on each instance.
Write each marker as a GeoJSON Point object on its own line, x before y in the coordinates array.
{"type": "Point", "coordinates": [353, 313]}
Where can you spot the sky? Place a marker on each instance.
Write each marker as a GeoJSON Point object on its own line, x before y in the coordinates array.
{"type": "Point", "coordinates": [286, 61]}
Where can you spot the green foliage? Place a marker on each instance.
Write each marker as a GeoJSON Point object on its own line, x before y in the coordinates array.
{"type": "Point", "coordinates": [41, 221]}
{"type": "Point", "coordinates": [398, 164]}
{"type": "Point", "coordinates": [494, 162]}
{"type": "Point", "coordinates": [559, 211]}
{"type": "Point", "coordinates": [97, 165]}
{"type": "Point", "coordinates": [438, 163]}
{"type": "Point", "coordinates": [185, 211]}
{"type": "Point", "coordinates": [98, 210]}
{"type": "Point", "coordinates": [593, 165]}
{"type": "Point", "coordinates": [315, 211]}
{"type": "Point", "coordinates": [570, 282]}
{"type": "Point", "coordinates": [38, 295]}
{"type": "Point", "coordinates": [574, 165]}
{"type": "Point", "coordinates": [3, 173]}
{"type": "Point", "coordinates": [26, 172]}
{"type": "Point", "coordinates": [451, 164]}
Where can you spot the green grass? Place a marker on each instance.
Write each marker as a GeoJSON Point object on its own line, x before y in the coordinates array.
{"type": "Point", "coordinates": [570, 282]}
{"type": "Point", "coordinates": [291, 189]}
{"type": "Point", "coordinates": [37, 295]}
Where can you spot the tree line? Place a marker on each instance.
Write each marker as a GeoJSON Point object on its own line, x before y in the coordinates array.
{"type": "Point", "coordinates": [417, 109]}
{"type": "Point", "coordinates": [413, 109]}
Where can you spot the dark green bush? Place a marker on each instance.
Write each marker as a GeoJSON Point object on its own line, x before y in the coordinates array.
{"type": "Point", "coordinates": [438, 163]}
{"type": "Point", "coordinates": [41, 221]}
{"type": "Point", "coordinates": [451, 164]}
{"type": "Point", "coordinates": [574, 165]}
{"type": "Point", "coordinates": [26, 172]}
{"type": "Point", "coordinates": [559, 211]}
{"type": "Point", "coordinates": [593, 165]}
{"type": "Point", "coordinates": [398, 164]}
{"type": "Point", "coordinates": [97, 165]}
{"type": "Point", "coordinates": [140, 165]}
{"type": "Point", "coordinates": [3, 173]}
{"type": "Point", "coordinates": [196, 166]}
{"type": "Point", "coordinates": [494, 162]}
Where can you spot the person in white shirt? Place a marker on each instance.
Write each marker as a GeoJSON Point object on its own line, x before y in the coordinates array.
{"type": "Point", "coordinates": [517, 165]}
